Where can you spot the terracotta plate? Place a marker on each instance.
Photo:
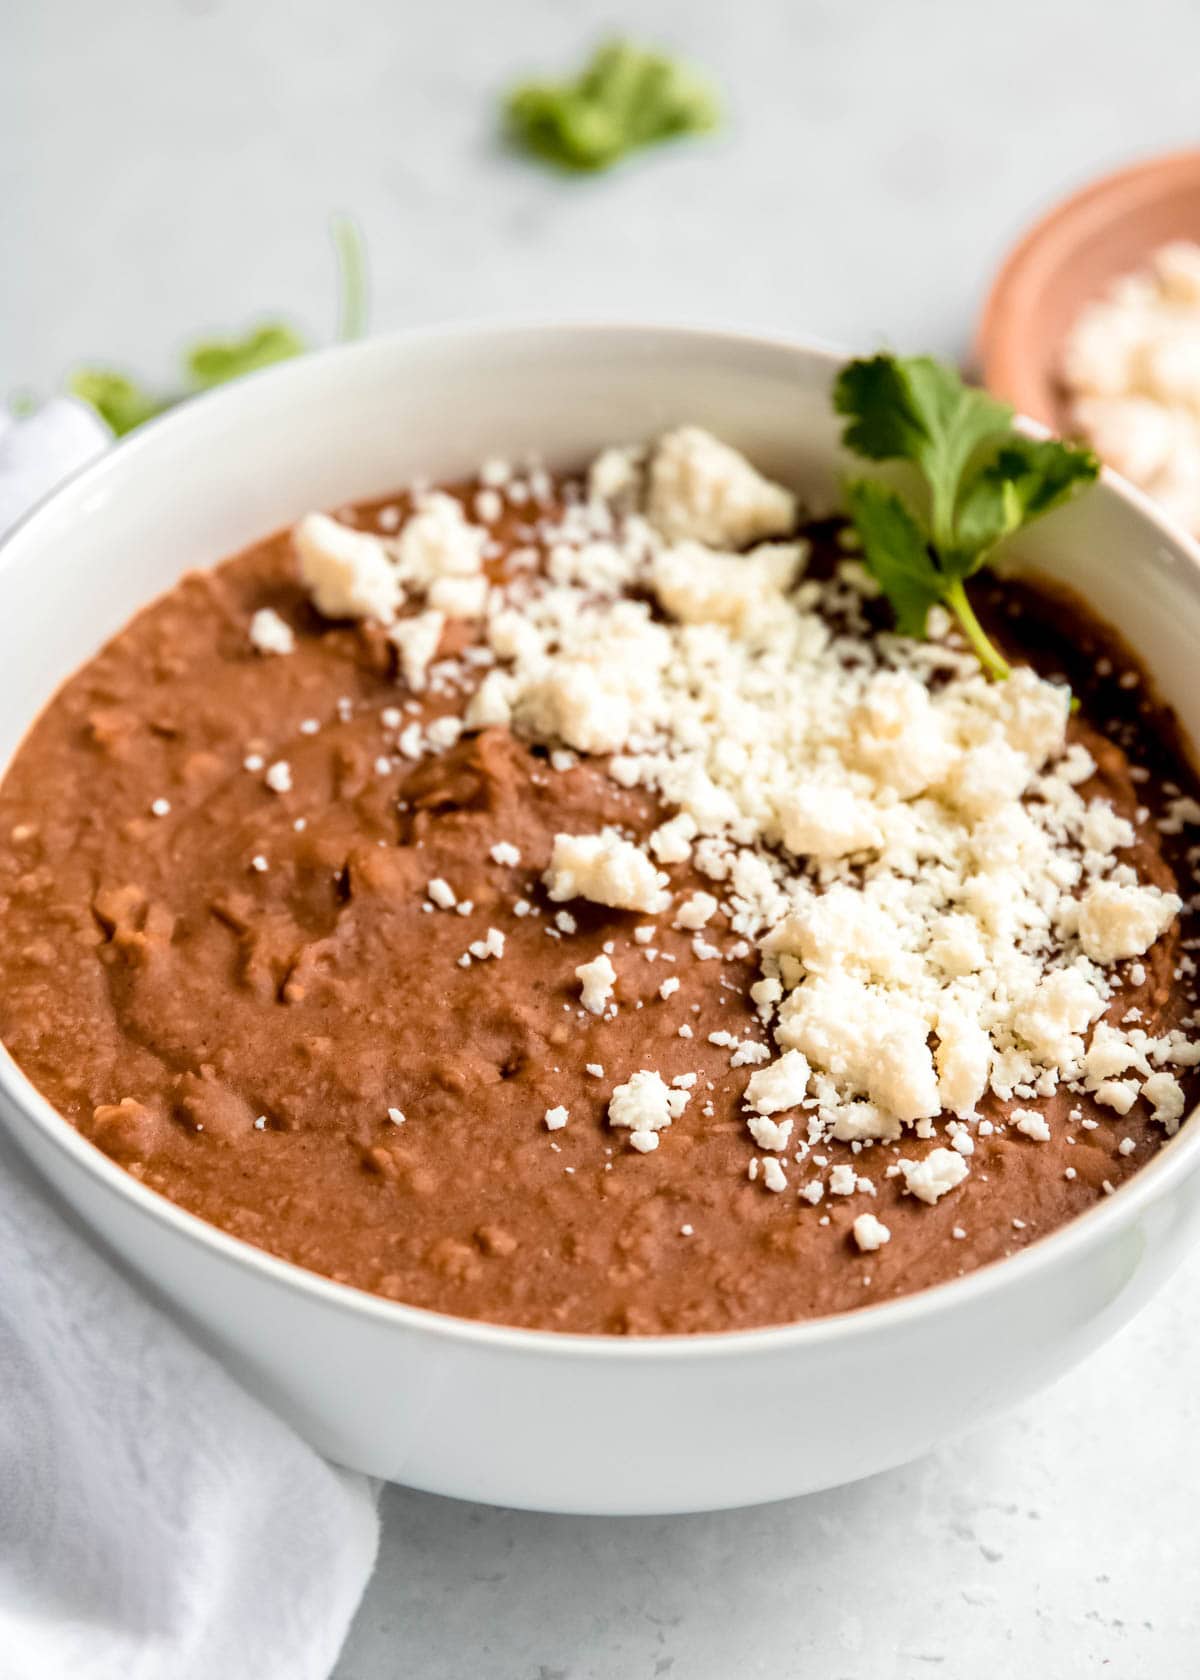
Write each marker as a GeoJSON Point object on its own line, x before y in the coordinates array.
{"type": "Point", "coordinates": [1067, 259]}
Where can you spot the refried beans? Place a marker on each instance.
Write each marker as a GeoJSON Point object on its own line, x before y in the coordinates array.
{"type": "Point", "coordinates": [222, 962]}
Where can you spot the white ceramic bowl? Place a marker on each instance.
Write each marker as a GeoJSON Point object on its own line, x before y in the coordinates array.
{"type": "Point", "coordinates": [538, 1419]}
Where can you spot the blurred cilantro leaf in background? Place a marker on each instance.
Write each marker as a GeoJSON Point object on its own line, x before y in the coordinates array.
{"type": "Point", "coordinates": [124, 404]}
{"type": "Point", "coordinates": [625, 97]}
{"type": "Point", "coordinates": [118, 400]}
{"type": "Point", "coordinates": [216, 361]}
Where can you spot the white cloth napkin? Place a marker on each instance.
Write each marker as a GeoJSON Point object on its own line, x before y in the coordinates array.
{"type": "Point", "coordinates": [156, 1523]}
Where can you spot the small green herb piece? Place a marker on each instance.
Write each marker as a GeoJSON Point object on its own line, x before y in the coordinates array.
{"type": "Point", "coordinates": [350, 254]}
{"type": "Point", "coordinates": [981, 481]}
{"type": "Point", "coordinates": [118, 401]}
{"type": "Point", "coordinates": [626, 97]}
{"type": "Point", "coordinates": [216, 361]}
{"type": "Point", "coordinates": [124, 404]}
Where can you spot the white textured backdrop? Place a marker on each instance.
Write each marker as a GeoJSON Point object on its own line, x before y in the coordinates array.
{"type": "Point", "coordinates": [167, 167]}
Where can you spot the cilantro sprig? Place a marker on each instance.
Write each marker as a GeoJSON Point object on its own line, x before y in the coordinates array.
{"type": "Point", "coordinates": [979, 481]}
{"type": "Point", "coordinates": [125, 403]}
{"type": "Point", "coordinates": [624, 98]}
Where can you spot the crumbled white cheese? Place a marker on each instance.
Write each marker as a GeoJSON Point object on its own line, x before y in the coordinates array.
{"type": "Point", "coordinates": [459, 597]}
{"type": "Point", "coordinates": [696, 911]}
{"type": "Point", "coordinates": [1164, 1091]}
{"type": "Point", "coordinates": [1118, 1094]}
{"type": "Point", "coordinates": [271, 634]}
{"type": "Point", "coordinates": [616, 475]}
{"type": "Point", "coordinates": [698, 586]}
{"type": "Point", "coordinates": [491, 704]}
{"type": "Point", "coordinates": [416, 640]}
{"type": "Point", "coordinates": [556, 1118]}
{"type": "Point", "coordinates": [442, 893]}
{"type": "Point", "coordinates": [607, 870]}
{"type": "Point", "coordinates": [597, 978]}
{"type": "Point", "coordinates": [1118, 921]}
{"type": "Point", "coordinates": [1131, 365]}
{"type": "Point", "coordinates": [348, 573]}
{"type": "Point", "coordinates": [940, 1171]}
{"type": "Point", "coordinates": [645, 1105]}
{"type": "Point", "coordinates": [1111, 1053]}
{"type": "Point", "coordinates": [504, 852]}
{"type": "Point", "coordinates": [870, 1233]}
{"type": "Point", "coordinates": [671, 842]}
{"type": "Point", "coordinates": [963, 1059]}
{"type": "Point", "coordinates": [783, 1084]}
{"type": "Point", "coordinates": [443, 732]}
{"type": "Point", "coordinates": [1032, 1123]}
{"type": "Point", "coordinates": [827, 821]}
{"type": "Point", "coordinates": [773, 1175]}
{"type": "Point", "coordinates": [439, 542]}
{"type": "Point", "coordinates": [701, 488]}
{"type": "Point", "coordinates": [491, 945]}
{"type": "Point", "coordinates": [769, 1134]}
{"type": "Point", "coordinates": [278, 776]}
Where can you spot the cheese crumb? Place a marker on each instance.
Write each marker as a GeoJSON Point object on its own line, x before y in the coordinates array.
{"type": "Point", "coordinates": [1164, 1091]}
{"type": "Point", "coordinates": [347, 573]}
{"type": "Point", "coordinates": [279, 776]}
{"type": "Point", "coordinates": [556, 1118]}
{"type": "Point", "coordinates": [645, 1105]}
{"type": "Point", "coordinates": [700, 488]}
{"type": "Point", "coordinates": [781, 1085]}
{"type": "Point", "coordinates": [930, 1179]}
{"type": "Point", "coordinates": [416, 641]}
{"type": "Point", "coordinates": [696, 911]}
{"type": "Point", "coordinates": [671, 842]}
{"type": "Point", "coordinates": [597, 979]}
{"type": "Point", "coordinates": [438, 542]}
{"type": "Point", "coordinates": [769, 1134]}
{"type": "Point", "coordinates": [607, 870]}
{"type": "Point", "coordinates": [1118, 1094]}
{"type": "Point", "coordinates": [271, 634]}
{"type": "Point", "coordinates": [504, 853]}
{"type": "Point", "coordinates": [1032, 1123]}
{"type": "Point", "coordinates": [1118, 921]}
{"type": "Point", "coordinates": [870, 1233]}
{"type": "Point", "coordinates": [773, 1175]}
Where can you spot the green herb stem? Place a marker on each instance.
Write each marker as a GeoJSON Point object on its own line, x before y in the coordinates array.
{"type": "Point", "coordinates": [989, 656]}
{"type": "Point", "coordinates": [352, 277]}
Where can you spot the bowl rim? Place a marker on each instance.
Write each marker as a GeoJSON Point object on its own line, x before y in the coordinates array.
{"type": "Point", "coordinates": [1171, 1164]}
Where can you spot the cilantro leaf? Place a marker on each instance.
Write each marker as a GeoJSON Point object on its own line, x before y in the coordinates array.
{"type": "Point", "coordinates": [981, 481]}
{"type": "Point", "coordinates": [896, 552]}
{"type": "Point", "coordinates": [124, 404]}
{"type": "Point", "coordinates": [1024, 479]}
{"type": "Point", "coordinates": [915, 409]}
{"type": "Point", "coordinates": [119, 401]}
{"type": "Point", "coordinates": [624, 98]}
{"type": "Point", "coordinates": [216, 361]}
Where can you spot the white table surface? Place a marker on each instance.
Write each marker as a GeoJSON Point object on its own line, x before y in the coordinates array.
{"type": "Point", "coordinates": [167, 167]}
